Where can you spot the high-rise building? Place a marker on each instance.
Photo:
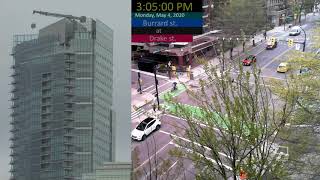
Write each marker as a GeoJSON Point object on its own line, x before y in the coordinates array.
{"type": "Point", "coordinates": [62, 104]}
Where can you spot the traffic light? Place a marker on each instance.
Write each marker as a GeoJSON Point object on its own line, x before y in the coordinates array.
{"type": "Point", "coordinates": [273, 40]}
{"type": "Point", "coordinates": [290, 42]}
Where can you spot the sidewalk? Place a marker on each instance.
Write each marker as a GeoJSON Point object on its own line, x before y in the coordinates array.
{"type": "Point", "coordinates": [138, 100]}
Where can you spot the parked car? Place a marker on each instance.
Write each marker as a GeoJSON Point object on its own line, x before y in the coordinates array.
{"type": "Point", "coordinates": [295, 31]}
{"type": "Point", "coordinates": [283, 67]}
{"type": "Point", "coordinates": [145, 127]}
{"type": "Point", "coordinates": [249, 60]}
{"type": "Point", "coordinates": [271, 45]}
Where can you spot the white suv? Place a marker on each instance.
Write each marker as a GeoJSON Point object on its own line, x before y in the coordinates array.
{"type": "Point", "coordinates": [146, 127]}
{"type": "Point", "coordinates": [294, 31]}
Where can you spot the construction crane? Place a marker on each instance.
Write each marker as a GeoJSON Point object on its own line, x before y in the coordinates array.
{"type": "Point", "coordinates": [82, 19]}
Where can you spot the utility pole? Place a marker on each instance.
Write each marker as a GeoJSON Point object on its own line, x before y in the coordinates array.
{"type": "Point", "coordinates": [139, 83]}
{"type": "Point", "coordinates": [305, 38]}
{"type": "Point", "coordinates": [156, 81]}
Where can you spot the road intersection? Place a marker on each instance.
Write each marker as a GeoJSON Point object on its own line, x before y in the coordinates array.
{"type": "Point", "coordinates": [159, 144]}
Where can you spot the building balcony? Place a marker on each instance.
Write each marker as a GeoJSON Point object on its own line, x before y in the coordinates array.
{"type": "Point", "coordinates": [13, 154]}
{"type": "Point", "coordinates": [14, 130]}
{"type": "Point", "coordinates": [45, 162]}
{"type": "Point", "coordinates": [69, 102]}
{"type": "Point", "coordinates": [69, 119]}
{"type": "Point", "coordinates": [68, 127]}
{"type": "Point", "coordinates": [69, 61]}
{"type": "Point", "coordinates": [44, 155]}
{"type": "Point", "coordinates": [13, 82]}
{"type": "Point", "coordinates": [69, 53]}
{"type": "Point", "coordinates": [13, 122]}
{"type": "Point", "coordinates": [68, 152]}
{"type": "Point", "coordinates": [46, 129]}
{"type": "Point", "coordinates": [14, 74]}
{"type": "Point", "coordinates": [46, 89]}
{"type": "Point", "coordinates": [46, 96]}
{"type": "Point", "coordinates": [69, 94]}
{"type": "Point", "coordinates": [13, 162]}
{"type": "Point", "coordinates": [14, 90]}
{"type": "Point", "coordinates": [45, 120]}
{"type": "Point", "coordinates": [45, 146]}
{"type": "Point", "coordinates": [68, 135]}
{"type": "Point", "coordinates": [45, 113]}
{"type": "Point", "coordinates": [68, 110]}
{"type": "Point", "coordinates": [46, 104]}
{"type": "Point", "coordinates": [67, 143]}
{"type": "Point", "coordinates": [13, 114]}
{"type": "Point", "coordinates": [45, 137]}
{"type": "Point", "coordinates": [14, 106]}
{"type": "Point", "coordinates": [14, 98]}
{"type": "Point", "coordinates": [46, 80]}
{"type": "Point", "coordinates": [13, 138]}
{"type": "Point", "coordinates": [70, 77]}
{"type": "Point", "coordinates": [13, 146]}
{"type": "Point", "coordinates": [69, 85]}
{"type": "Point", "coordinates": [68, 159]}
{"type": "Point", "coordinates": [67, 167]}
{"type": "Point", "coordinates": [13, 66]}
{"type": "Point", "coordinates": [69, 69]}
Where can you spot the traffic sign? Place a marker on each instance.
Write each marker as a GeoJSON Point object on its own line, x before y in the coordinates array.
{"type": "Point", "coordinates": [297, 47]}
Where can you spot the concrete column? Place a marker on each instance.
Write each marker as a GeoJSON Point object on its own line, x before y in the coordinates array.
{"type": "Point", "coordinates": [180, 60]}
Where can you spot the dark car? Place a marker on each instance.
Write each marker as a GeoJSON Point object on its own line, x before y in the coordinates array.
{"type": "Point", "coordinates": [249, 60]}
{"type": "Point", "coordinates": [271, 45]}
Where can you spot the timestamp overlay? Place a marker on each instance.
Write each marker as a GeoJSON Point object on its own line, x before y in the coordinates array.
{"type": "Point", "coordinates": [166, 20]}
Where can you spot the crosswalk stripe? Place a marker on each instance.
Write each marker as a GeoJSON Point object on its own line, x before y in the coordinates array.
{"type": "Point", "coordinates": [137, 113]}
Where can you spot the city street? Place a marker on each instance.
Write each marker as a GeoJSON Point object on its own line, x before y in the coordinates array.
{"type": "Point", "coordinates": [159, 144]}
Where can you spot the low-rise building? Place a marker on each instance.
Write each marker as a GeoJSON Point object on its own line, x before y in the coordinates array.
{"type": "Point", "coordinates": [111, 171]}
{"type": "Point", "coordinates": [277, 11]}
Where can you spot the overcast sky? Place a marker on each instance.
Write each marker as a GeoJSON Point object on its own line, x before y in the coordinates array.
{"type": "Point", "coordinates": [16, 18]}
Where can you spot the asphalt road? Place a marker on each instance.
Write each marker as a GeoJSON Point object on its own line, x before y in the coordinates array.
{"type": "Point", "coordinates": [158, 145]}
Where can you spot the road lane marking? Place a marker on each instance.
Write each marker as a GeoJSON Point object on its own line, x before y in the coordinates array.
{"type": "Point", "coordinates": [149, 158]}
{"type": "Point", "coordinates": [198, 144]}
{"type": "Point", "coordinates": [212, 160]}
{"type": "Point", "coordinates": [149, 74]}
{"type": "Point", "coordinates": [284, 52]}
{"type": "Point", "coordinates": [148, 88]}
{"type": "Point", "coordinates": [160, 86]}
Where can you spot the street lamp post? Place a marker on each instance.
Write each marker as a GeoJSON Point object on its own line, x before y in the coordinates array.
{"type": "Point", "coordinates": [139, 83]}
{"type": "Point", "coordinates": [156, 81]}
{"type": "Point", "coordinates": [305, 38]}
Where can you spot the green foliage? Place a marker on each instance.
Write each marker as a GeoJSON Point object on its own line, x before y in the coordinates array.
{"type": "Point", "coordinates": [235, 16]}
{"type": "Point", "coordinates": [233, 127]}
{"type": "Point", "coordinates": [301, 135]}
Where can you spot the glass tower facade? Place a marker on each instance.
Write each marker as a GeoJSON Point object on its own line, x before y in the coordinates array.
{"type": "Point", "coordinates": [62, 101]}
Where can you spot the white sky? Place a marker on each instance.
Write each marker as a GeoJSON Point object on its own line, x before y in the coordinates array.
{"type": "Point", "coordinates": [16, 18]}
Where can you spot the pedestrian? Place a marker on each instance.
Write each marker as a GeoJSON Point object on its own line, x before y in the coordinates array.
{"type": "Point", "coordinates": [265, 35]}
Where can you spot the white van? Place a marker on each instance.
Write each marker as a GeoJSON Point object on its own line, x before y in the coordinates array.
{"type": "Point", "coordinates": [295, 31]}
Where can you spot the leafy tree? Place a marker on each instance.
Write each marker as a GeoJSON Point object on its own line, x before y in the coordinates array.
{"type": "Point", "coordinates": [156, 167]}
{"type": "Point", "coordinates": [233, 17]}
{"type": "Point", "coordinates": [302, 135]}
{"type": "Point", "coordinates": [235, 127]}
